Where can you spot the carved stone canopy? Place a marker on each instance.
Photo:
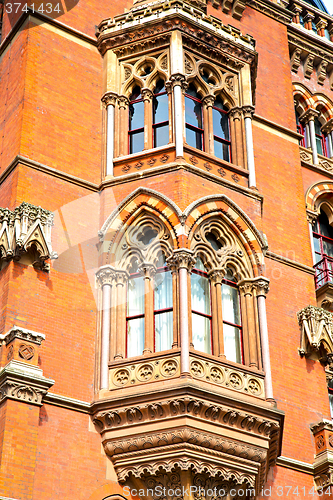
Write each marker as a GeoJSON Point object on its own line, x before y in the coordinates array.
{"type": "Point", "coordinates": [323, 462]}
{"type": "Point", "coordinates": [316, 332]}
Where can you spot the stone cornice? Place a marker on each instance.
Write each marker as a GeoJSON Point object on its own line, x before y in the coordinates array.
{"type": "Point", "coordinates": [289, 262]}
{"type": "Point", "coordinates": [67, 402]}
{"type": "Point", "coordinates": [309, 42]}
{"type": "Point", "coordinates": [278, 127]}
{"type": "Point", "coordinates": [17, 332]}
{"type": "Point", "coordinates": [24, 383]}
{"type": "Point", "coordinates": [277, 12]}
{"type": "Point", "coordinates": [291, 463]}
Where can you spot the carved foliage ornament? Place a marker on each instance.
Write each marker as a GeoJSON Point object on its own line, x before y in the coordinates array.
{"type": "Point", "coordinates": [27, 229]}
{"type": "Point", "coordinates": [316, 330]}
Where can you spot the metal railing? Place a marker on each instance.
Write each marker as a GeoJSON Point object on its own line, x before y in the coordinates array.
{"type": "Point", "coordinates": [324, 271]}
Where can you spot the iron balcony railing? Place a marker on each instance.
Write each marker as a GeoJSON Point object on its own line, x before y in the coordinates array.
{"type": "Point", "coordinates": [323, 271]}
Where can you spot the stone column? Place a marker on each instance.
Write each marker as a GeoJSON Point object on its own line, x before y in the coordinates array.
{"type": "Point", "coordinates": [184, 261]}
{"type": "Point", "coordinates": [308, 18]}
{"type": "Point", "coordinates": [123, 104]}
{"type": "Point", "coordinates": [109, 100]}
{"type": "Point", "coordinates": [308, 118]}
{"type": "Point", "coordinates": [121, 282]}
{"type": "Point", "coordinates": [321, 24]}
{"type": "Point", "coordinates": [148, 271]}
{"type": "Point", "coordinates": [175, 306]}
{"type": "Point", "coordinates": [248, 114]}
{"type": "Point", "coordinates": [311, 218]}
{"type": "Point", "coordinates": [297, 10]}
{"type": "Point", "coordinates": [178, 84]}
{"type": "Point", "coordinates": [147, 97]}
{"type": "Point", "coordinates": [104, 277]}
{"type": "Point", "coordinates": [235, 115]}
{"type": "Point", "coordinates": [216, 276]}
{"type": "Point", "coordinates": [208, 102]}
{"type": "Point", "coordinates": [262, 287]}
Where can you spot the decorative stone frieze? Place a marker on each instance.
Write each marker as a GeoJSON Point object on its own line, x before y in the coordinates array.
{"type": "Point", "coordinates": [316, 331]}
{"type": "Point", "coordinates": [26, 230]}
{"type": "Point", "coordinates": [323, 462]}
{"type": "Point", "coordinates": [17, 332]}
{"type": "Point", "coordinates": [24, 383]}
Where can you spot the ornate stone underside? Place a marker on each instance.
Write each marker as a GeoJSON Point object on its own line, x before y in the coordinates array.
{"type": "Point", "coordinates": [323, 463]}
{"type": "Point", "coordinates": [189, 430]}
{"type": "Point", "coordinates": [316, 333]}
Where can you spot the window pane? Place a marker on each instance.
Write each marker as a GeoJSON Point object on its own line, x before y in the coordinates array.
{"type": "Point", "coordinates": [135, 337]}
{"type": "Point", "coordinates": [137, 142]}
{"type": "Point", "coordinates": [319, 146]}
{"type": "Point", "coordinates": [160, 109]}
{"type": "Point", "coordinates": [328, 248]}
{"type": "Point", "coordinates": [330, 396]}
{"type": "Point", "coordinates": [324, 226]}
{"type": "Point", "coordinates": [161, 136]}
{"type": "Point", "coordinates": [163, 291]}
{"type": "Point", "coordinates": [317, 126]}
{"type": "Point", "coordinates": [135, 296]}
{"type": "Point", "coordinates": [194, 138]}
{"type": "Point", "coordinates": [136, 115]}
{"type": "Point", "coordinates": [221, 150]}
{"type": "Point", "coordinates": [232, 345]}
{"type": "Point", "coordinates": [163, 331]}
{"type": "Point", "coordinates": [193, 112]}
{"type": "Point", "coordinates": [230, 304]}
{"type": "Point", "coordinates": [200, 293]}
{"type": "Point", "coordinates": [201, 333]}
{"type": "Point", "coordinates": [220, 124]}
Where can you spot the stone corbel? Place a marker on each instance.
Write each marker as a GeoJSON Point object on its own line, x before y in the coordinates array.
{"type": "Point", "coordinates": [238, 8]}
{"type": "Point", "coordinates": [308, 65]}
{"type": "Point", "coordinates": [323, 462]}
{"type": "Point", "coordinates": [316, 331]}
{"type": "Point", "coordinates": [295, 60]}
{"type": "Point", "coordinates": [321, 72]}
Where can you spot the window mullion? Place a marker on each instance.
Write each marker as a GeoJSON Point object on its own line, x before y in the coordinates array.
{"type": "Point", "coordinates": [148, 271]}
{"type": "Point", "coordinates": [147, 97]}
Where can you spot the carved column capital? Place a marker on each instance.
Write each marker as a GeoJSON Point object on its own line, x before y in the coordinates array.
{"type": "Point", "coordinates": [309, 115]}
{"type": "Point", "coordinates": [261, 285]}
{"type": "Point", "coordinates": [311, 217]}
{"type": "Point", "coordinates": [105, 276]}
{"type": "Point", "coordinates": [216, 276]}
{"type": "Point", "coordinates": [208, 100]}
{"type": "Point", "coordinates": [321, 23]}
{"type": "Point", "coordinates": [308, 16]}
{"type": "Point", "coordinates": [181, 258]}
{"type": "Point", "coordinates": [246, 286]}
{"type": "Point", "coordinates": [123, 102]}
{"type": "Point", "coordinates": [235, 113]}
{"type": "Point", "coordinates": [178, 79]}
{"type": "Point", "coordinates": [296, 8]}
{"type": "Point", "coordinates": [147, 270]}
{"type": "Point", "coordinates": [109, 98]}
{"type": "Point", "coordinates": [147, 95]}
{"type": "Point", "coordinates": [328, 126]}
{"type": "Point", "coordinates": [121, 277]}
{"type": "Point", "coordinates": [248, 111]}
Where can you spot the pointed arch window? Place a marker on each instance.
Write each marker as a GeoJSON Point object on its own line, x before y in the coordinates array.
{"type": "Point", "coordinates": [136, 122]}
{"type": "Point", "coordinates": [160, 115]}
{"type": "Point", "coordinates": [221, 129]}
{"type": "Point", "coordinates": [193, 118]}
{"type": "Point", "coordinates": [232, 322]}
{"type": "Point", "coordinates": [323, 249]}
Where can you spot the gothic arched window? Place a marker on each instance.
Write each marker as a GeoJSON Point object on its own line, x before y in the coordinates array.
{"type": "Point", "coordinates": [222, 144]}
{"type": "Point", "coordinates": [201, 308]}
{"type": "Point", "coordinates": [136, 122]}
{"type": "Point", "coordinates": [160, 115]}
{"type": "Point", "coordinates": [320, 138]}
{"type": "Point", "coordinates": [193, 118]}
{"type": "Point", "coordinates": [323, 249]}
{"type": "Point", "coordinates": [232, 323]}
{"type": "Point", "coordinates": [135, 318]}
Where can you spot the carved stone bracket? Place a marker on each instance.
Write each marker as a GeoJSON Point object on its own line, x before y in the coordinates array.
{"type": "Point", "coordinates": [316, 331]}
{"type": "Point", "coordinates": [308, 65]}
{"type": "Point", "coordinates": [23, 383]}
{"type": "Point", "coordinates": [308, 115]}
{"type": "Point", "coordinates": [321, 72]}
{"type": "Point", "coordinates": [25, 230]}
{"type": "Point", "coordinates": [295, 60]}
{"type": "Point", "coordinates": [323, 463]}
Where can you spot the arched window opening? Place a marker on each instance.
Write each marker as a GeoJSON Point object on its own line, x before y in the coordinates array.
{"type": "Point", "coordinates": [323, 249]}
{"type": "Point", "coordinates": [136, 122]}
{"type": "Point", "coordinates": [193, 118]}
{"type": "Point", "coordinates": [160, 115]}
{"type": "Point", "coordinates": [301, 130]}
{"type": "Point", "coordinates": [163, 313]}
{"type": "Point", "coordinates": [201, 309]}
{"type": "Point", "coordinates": [232, 323]}
{"type": "Point", "coordinates": [135, 318]}
{"type": "Point", "coordinates": [320, 138]}
{"type": "Point", "coordinates": [222, 144]}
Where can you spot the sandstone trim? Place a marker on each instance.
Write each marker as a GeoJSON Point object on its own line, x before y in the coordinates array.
{"type": "Point", "coordinates": [289, 262]}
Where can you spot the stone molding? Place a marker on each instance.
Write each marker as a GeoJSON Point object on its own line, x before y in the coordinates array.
{"type": "Point", "coordinates": [316, 331]}
{"type": "Point", "coordinates": [17, 332]}
{"type": "Point", "coordinates": [24, 383]}
{"type": "Point", "coordinates": [26, 229]}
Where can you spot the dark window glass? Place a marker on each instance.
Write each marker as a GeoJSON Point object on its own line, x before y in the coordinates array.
{"type": "Point", "coordinates": [320, 138]}
{"type": "Point", "coordinates": [136, 122]}
{"type": "Point", "coordinates": [160, 115]}
{"type": "Point", "coordinates": [222, 144]}
{"type": "Point", "coordinates": [323, 249]}
{"type": "Point", "coordinates": [201, 309]}
{"type": "Point", "coordinates": [300, 129]}
{"type": "Point", "coordinates": [193, 118]}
